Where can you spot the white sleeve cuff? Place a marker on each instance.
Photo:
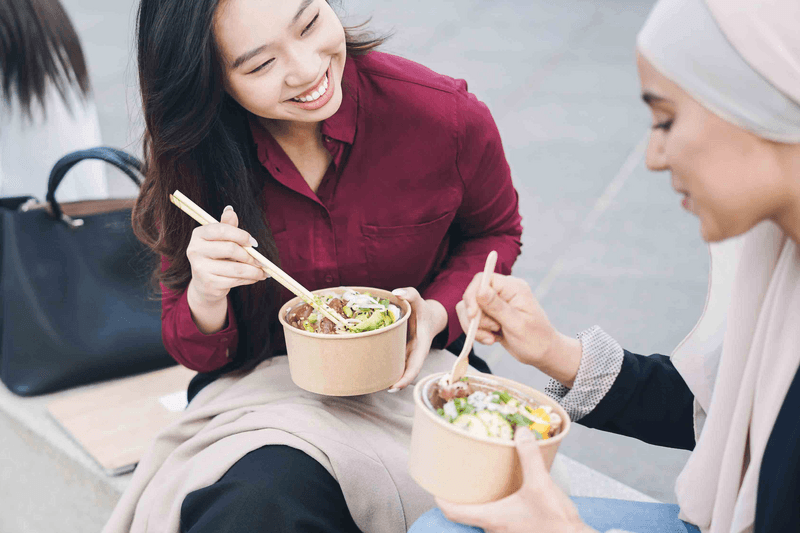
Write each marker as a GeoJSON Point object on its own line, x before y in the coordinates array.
{"type": "Point", "coordinates": [601, 362]}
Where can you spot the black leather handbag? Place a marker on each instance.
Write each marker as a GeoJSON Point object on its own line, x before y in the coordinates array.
{"type": "Point", "coordinates": [77, 305]}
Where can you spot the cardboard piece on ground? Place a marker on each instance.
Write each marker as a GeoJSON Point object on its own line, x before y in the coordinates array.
{"type": "Point", "coordinates": [115, 422]}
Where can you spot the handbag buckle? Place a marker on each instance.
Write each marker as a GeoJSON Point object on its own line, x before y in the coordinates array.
{"type": "Point", "coordinates": [29, 204]}
{"type": "Point", "coordinates": [71, 222]}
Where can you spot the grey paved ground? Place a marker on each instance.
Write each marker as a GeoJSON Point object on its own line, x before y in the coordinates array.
{"type": "Point", "coordinates": [605, 240]}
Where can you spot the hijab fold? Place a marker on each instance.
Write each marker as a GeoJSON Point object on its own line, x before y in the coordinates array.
{"type": "Point", "coordinates": [740, 384]}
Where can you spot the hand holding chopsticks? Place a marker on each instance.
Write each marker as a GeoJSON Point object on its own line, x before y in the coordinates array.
{"type": "Point", "coordinates": [203, 218]}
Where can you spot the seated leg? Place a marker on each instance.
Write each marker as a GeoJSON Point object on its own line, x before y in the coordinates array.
{"type": "Point", "coordinates": [600, 513]}
{"type": "Point", "coordinates": [435, 522]}
{"type": "Point", "coordinates": [272, 489]}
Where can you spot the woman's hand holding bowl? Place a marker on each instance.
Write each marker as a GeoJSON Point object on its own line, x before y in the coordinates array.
{"type": "Point", "coordinates": [218, 263]}
{"type": "Point", "coordinates": [513, 316]}
{"type": "Point", "coordinates": [428, 319]}
{"type": "Point", "coordinates": [539, 505]}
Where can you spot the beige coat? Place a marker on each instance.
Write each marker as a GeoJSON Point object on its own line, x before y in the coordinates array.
{"type": "Point", "coordinates": [362, 441]}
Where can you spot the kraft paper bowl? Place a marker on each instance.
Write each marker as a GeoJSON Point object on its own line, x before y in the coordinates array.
{"type": "Point", "coordinates": [456, 466]}
{"type": "Point", "coordinates": [347, 364]}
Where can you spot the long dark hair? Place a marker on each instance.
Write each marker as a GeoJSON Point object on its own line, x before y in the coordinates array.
{"type": "Point", "coordinates": [38, 45]}
{"type": "Point", "coordinates": [197, 140]}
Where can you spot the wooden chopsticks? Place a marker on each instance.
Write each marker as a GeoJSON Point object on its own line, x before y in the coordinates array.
{"type": "Point", "coordinates": [462, 362]}
{"type": "Point", "coordinates": [203, 218]}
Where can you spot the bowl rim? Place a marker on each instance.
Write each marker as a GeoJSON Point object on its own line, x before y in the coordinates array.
{"type": "Point", "coordinates": [405, 306]}
{"type": "Point", "coordinates": [421, 404]}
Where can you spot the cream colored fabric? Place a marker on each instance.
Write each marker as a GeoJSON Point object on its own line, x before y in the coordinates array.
{"type": "Point", "coordinates": [765, 33]}
{"type": "Point", "coordinates": [740, 389]}
{"type": "Point", "coordinates": [362, 441]}
{"type": "Point", "coordinates": [685, 43]}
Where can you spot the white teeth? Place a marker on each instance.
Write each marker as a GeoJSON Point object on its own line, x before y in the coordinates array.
{"type": "Point", "coordinates": [319, 92]}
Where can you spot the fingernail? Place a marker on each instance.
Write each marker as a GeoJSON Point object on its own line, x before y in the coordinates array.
{"type": "Point", "coordinates": [392, 390]}
{"type": "Point", "coordinates": [228, 208]}
{"type": "Point", "coordinates": [402, 293]}
{"type": "Point", "coordinates": [253, 242]}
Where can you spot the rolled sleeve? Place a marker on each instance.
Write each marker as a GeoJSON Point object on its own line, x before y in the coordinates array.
{"type": "Point", "coordinates": [488, 217]}
{"type": "Point", "coordinates": [601, 363]}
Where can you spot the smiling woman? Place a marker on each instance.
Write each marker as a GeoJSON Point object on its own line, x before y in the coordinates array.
{"type": "Point", "coordinates": [353, 168]}
{"type": "Point", "coordinates": [286, 62]}
{"type": "Point", "coordinates": [197, 106]}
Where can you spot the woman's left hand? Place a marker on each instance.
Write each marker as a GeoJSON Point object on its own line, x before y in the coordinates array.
{"type": "Point", "coordinates": [428, 318]}
{"type": "Point", "coordinates": [539, 505]}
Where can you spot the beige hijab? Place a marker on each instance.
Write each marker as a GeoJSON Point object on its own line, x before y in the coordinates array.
{"type": "Point", "coordinates": [741, 60]}
{"type": "Point", "coordinates": [740, 384]}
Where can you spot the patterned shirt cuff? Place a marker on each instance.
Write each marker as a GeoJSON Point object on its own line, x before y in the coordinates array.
{"type": "Point", "coordinates": [601, 363]}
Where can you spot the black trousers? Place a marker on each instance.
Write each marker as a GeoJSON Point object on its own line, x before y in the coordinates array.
{"type": "Point", "coordinates": [271, 489]}
{"type": "Point", "coordinates": [274, 489]}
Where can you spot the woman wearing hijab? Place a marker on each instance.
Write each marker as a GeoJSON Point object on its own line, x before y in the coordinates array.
{"type": "Point", "coordinates": [722, 78]}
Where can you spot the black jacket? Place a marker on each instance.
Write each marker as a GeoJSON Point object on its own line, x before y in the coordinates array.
{"type": "Point", "coordinates": [650, 401]}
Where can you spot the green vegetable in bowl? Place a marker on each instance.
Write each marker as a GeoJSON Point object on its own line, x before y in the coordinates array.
{"type": "Point", "coordinates": [361, 312]}
{"type": "Point", "coordinates": [372, 323]}
{"type": "Point", "coordinates": [497, 414]}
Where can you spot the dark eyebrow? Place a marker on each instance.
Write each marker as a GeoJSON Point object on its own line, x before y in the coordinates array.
{"type": "Point", "coordinates": [244, 58]}
{"type": "Point", "coordinates": [650, 98]}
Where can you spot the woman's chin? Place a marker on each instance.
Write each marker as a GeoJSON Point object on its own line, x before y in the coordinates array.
{"type": "Point", "coordinates": [710, 231]}
{"type": "Point", "coordinates": [713, 231]}
{"type": "Point", "coordinates": [710, 236]}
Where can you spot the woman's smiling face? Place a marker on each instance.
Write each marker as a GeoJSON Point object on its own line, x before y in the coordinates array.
{"type": "Point", "coordinates": [729, 177]}
{"type": "Point", "coordinates": [283, 59]}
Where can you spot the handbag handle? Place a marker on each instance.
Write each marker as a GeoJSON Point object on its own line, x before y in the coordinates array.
{"type": "Point", "coordinates": [127, 163]}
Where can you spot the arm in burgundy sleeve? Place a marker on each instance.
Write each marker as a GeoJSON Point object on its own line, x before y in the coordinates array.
{"type": "Point", "coordinates": [185, 342]}
{"type": "Point", "coordinates": [488, 218]}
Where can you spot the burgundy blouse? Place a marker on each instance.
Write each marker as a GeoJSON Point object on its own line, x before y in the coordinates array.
{"type": "Point", "coordinates": [418, 193]}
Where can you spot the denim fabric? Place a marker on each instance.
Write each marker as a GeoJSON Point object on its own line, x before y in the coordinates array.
{"type": "Point", "coordinates": [600, 513]}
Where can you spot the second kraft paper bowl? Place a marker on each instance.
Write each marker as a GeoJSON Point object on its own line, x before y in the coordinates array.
{"type": "Point", "coordinates": [348, 364]}
{"type": "Point", "coordinates": [462, 468]}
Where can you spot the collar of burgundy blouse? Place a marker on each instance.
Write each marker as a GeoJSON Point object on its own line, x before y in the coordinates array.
{"type": "Point", "coordinates": [340, 127]}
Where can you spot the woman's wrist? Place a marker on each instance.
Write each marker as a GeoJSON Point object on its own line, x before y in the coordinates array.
{"type": "Point", "coordinates": [209, 317]}
{"type": "Point", "coordinates": [439, 315]}
{"type": "Point", "coordinates": [563, 359]}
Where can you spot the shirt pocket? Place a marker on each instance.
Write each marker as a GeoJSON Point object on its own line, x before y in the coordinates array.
{"type": "Point", "coordinates": [405, 256]}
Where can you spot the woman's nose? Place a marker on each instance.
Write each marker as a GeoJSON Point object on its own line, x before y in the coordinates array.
{"type": "Point", "coordinates": [655, 158]}
{"type": "Point", "coordinates": [304, 67]}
